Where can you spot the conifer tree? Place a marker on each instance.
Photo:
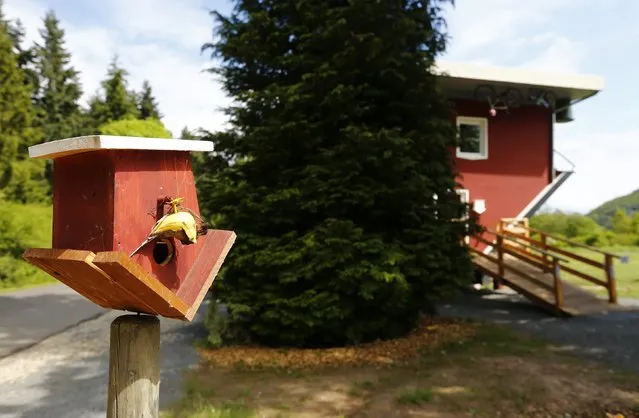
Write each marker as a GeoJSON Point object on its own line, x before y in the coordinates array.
{"type": "Point", "coordinates": [115, 102]}
{"type": "Point", "coordinates": [9, 77]}
{"type": "Point", "coordinates": [60, 90]}
{"type": "Point", "coordinates": [148, 106]}
{"type": "Point", "coordinates": [25, 57]}
{"type": "Point", "coordinates": [21, 179]}
{"type": "Point", "coordinates": [186, 133]}
{"type": "Point", "coordinates": [119, 101]}
{"type": "Point", "coordinates": [339, 141]}
{"type": "Point", "coordinates": [133, 99]}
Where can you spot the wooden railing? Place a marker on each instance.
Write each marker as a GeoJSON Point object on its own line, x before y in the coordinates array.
{"type": "Point", "coordinates": [543, 260]}
{"type": "Point", "coordinates": [546, 243]}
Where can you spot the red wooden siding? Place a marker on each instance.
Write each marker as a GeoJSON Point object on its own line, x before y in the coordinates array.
{"type": "Point", "coordinates": [518, 163]}
{"type": "Point", "coordinates": [106, 201]}
{"type": "Point", "coordinates": [83, 202]}
{"type": "Point", "coordinates": [141, 177]}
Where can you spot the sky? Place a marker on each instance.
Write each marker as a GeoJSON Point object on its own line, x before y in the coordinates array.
{"type": "Point", "coordinates": [160, 40]}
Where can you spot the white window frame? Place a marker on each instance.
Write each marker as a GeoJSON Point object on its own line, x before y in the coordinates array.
{"type": "Point", "coordinates": [482, 123]}
{"type": "Point", "coordinates": [464, 197]}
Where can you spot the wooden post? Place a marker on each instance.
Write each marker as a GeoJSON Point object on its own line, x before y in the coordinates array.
{"type": "Point", "coordinates": [134, 367]}
{"type": "Point", "coordinates": [559, 289]}
{"type": "Point", "coordinates": [610, 278]}
{"type": "Point", "coordinates": [500, 262]}
{"type": "Point", "coordinates": [544, 246]}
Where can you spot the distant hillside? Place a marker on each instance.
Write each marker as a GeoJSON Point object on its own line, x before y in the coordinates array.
{"type": "Point", "coordinates": [603, 214]}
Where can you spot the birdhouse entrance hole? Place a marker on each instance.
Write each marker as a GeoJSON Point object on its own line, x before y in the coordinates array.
{"type": "Point", "coordinates": [163, 251]}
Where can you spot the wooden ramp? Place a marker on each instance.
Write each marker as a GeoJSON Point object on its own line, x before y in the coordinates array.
{"type": "Point", "coordinates": [531, 263]}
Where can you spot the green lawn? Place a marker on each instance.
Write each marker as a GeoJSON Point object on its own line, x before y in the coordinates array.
{"type": "Point", "coordinates": [627, 275]}
{"type": "Point", "coordinates": [489, 372]}
{"type": "Point", "coordinates": [22, 226]}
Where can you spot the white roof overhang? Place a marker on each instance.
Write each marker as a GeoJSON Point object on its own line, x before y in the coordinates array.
{"type": "Point", "coordinates": [459, 80]}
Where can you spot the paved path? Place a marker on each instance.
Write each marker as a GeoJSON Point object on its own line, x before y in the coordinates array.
{"type": "Point", "coordinates": [612, 338]}
{"type": "Point", "coordinates": [29, 316]}
{"type": "Point", "coordinates": [65, 376]}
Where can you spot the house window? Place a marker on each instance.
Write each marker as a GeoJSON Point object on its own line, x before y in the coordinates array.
{"type": "Point", "coordinates": [464, 197]}
{"type": "Point", "coordinates": [473, 135]}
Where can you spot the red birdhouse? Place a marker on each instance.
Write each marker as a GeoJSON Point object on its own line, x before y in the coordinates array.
{"type": "Point", "coordinates": [108, 193]}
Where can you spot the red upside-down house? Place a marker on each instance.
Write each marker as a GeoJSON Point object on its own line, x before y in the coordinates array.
{"type": "Point", "coordinates": [508, 163]}
{"type": "Point", "coordinates": [509, 168]}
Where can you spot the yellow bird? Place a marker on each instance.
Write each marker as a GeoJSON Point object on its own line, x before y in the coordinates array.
{"type": "Point", "coordinates": [179, 224]}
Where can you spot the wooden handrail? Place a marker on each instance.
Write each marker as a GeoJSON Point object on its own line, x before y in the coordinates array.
{"type": "Point", "coordinates": [549, 261]}
{"type": "Point", "coordinates": [550, 250]}
{"type": "Point", "coordinates": [541, 259]}
{"type": "Point", "coordinates": [514, 253]}
{"type": "Point", "coordinates": [556, 287]}
{"type": "Point", "coordinates": [576, 257]}
{"type": "Point", "coordinates": [532, 247]}
{"type": "Point", "coordinates": [503, 266]}
{"type": "Point", "coordinates": [572, 243]}
{"type": "Point", "coordinates": [484, 240]}
{"type": "Point", "coordinates": [484, 255]}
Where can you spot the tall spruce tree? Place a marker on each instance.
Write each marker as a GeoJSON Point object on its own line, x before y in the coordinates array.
{"type": "Point", "coordinates": [116, 102]}
{"type": "Point", "coordinates": [95, 114]}
{"type": "Point", "coordinates": [148, 106]}
{"type": "Point", "coordinates": [25, 56]}
{"type": "Point", "coordinates": [186, 133]}
{"type": "Point", "coordinates": [21, 179]}
{"type": "Point", "coordinates": [340, 140]}
{"type": "Point", "coordinates": [10, 77]}
{"type": "Point", "coordinates": [60, 90]}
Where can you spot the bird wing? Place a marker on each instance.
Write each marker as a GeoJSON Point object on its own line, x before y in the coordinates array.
{"type": "Point", "coordinates": [171, 225]}
{"type": "Point", "coordinates": [146, 241]}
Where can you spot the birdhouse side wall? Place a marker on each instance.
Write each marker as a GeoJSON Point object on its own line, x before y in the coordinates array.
{"type": "Point", "coordinates": [83, 201]}
{"type": "Point", "coordinates": [141, 178]}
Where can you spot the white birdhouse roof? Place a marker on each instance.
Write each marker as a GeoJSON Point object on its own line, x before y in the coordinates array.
{"type": "Point", "coordinates": [64, 147]}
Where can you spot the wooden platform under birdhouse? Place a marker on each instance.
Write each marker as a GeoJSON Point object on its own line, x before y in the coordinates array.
{"type": "Point", "coordinates": [113, 280]}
